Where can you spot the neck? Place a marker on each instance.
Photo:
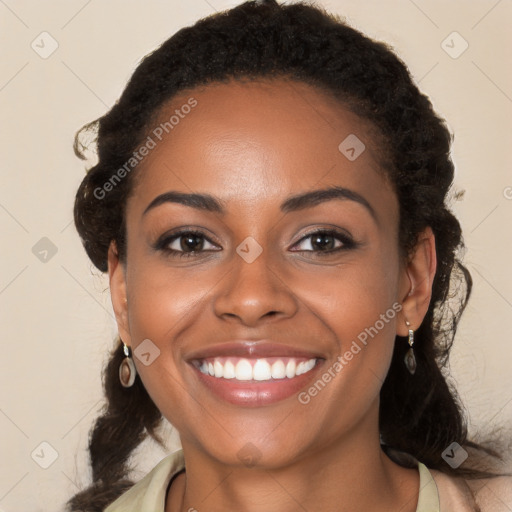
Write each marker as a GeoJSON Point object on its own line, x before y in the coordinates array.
{"type": "Point", "coordinates": [354, 472]}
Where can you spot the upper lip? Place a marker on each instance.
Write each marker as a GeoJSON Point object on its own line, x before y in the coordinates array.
{"type": "Point", "coordinates": [251, 349]}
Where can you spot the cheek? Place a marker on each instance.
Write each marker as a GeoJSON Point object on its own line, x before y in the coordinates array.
{"type": "Point", "coordinates": [360, 305]}
{"type": "Point", "coordinates": [361, 309]}
{"type": "Point", "coordinates": [351, 304]}
{"type": "Point", "coordinates": [351, 298]}
{"type": "Point", "coordinates": [162, 307]}
{"type": "Point", "coordinates": [162, 300]}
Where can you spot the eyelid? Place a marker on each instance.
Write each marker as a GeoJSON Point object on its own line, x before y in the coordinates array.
{"type": "Point", "coordinates": [164, 242]}
{"type": "Point", "coordinates": [166, 239]}
{"type": "Point", "coordinates": [342, 235]}
{"type": "Point", "coordinates": [341, 244]}
{"type": "Point", "coordinates": [176, 238]}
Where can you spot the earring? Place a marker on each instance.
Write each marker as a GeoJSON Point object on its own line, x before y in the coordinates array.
{"type": "Point", "coordinates": [127, 370]}
{"type": "Point", "coordinates": [410, 359]}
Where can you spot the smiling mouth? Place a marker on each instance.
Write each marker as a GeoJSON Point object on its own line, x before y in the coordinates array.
{"type": "Point", "coordinates": [254, 369]}
{"type": "Point", "coordinates": [253, 373]}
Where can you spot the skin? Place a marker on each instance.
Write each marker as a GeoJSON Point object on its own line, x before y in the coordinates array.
{"type": "Point", "coordinates": [252, 146]}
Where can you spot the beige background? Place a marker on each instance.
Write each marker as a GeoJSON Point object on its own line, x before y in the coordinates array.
{"type": "Point", "coordinates": [55, 315]}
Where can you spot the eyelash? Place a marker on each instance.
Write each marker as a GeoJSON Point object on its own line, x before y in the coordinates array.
{"type": "Point", "coordinates": [347, 241]}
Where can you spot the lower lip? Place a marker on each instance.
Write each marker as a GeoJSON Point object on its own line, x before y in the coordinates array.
{"type": "Point", "coordinates": [256, 393]}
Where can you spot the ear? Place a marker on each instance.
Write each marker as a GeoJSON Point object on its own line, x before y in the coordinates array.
{"type": "Point", "coordinates": [117, 280]}
{"type": "Point", "coordinates": [416, 286]}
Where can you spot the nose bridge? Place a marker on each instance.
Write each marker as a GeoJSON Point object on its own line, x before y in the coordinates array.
{"type": "Point", "coordinates": [254, 288]}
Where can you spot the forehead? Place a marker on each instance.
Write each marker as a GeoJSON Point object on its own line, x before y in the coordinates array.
{"type": "Point", "coordinates": [249, 142]}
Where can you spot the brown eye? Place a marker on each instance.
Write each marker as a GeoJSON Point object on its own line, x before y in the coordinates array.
{"type": "Point", "coordinates": [325, 242]}
{"type": "Point", "coordinates": [191, 242]}
{"type": "Point", "coordinates": [185, 244]}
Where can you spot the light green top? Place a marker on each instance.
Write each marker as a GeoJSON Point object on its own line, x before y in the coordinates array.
{"type": "Point", "coordinates": [149, 494]}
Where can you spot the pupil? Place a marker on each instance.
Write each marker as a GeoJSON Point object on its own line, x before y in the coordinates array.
{"type": "Point", "coordinates": [190, 242]}
{"type": "Point", "coordinates": [323, 241]}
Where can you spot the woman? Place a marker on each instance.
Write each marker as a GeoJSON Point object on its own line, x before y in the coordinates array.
{"type": "Point", "coordinates": [269, 204]}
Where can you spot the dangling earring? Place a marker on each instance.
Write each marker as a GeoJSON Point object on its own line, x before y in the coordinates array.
{"type": "Point", "coordinates": [410, 359]}
{"type": "Point", "coordinates": [127, 370]}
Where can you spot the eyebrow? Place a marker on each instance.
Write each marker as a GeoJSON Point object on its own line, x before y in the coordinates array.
{"type": "Point", "coordinates": [298, 202]}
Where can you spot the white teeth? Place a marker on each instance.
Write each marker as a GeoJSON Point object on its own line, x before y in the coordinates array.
{"type": "Point", "coordinates": [309, 365]}
{"type": "Point", "coordinates": [290, 369]}
{"type": "Point", "coordinates": [278, 370]}
{"type": "Point", "coordinates": [304, 367]}
{"type": "Point", "coordinates": [300, 369]}
{"type": "Point", "coordinates": [257, 370]}
{"type": "Point", "coordinates": [229, 370]}
{"type": "Point", "coordinates": [218, 369]}
{"type": "Point", "coordinates": [261, 370]}
{"type": "Point", "coordinates": [243, 370]}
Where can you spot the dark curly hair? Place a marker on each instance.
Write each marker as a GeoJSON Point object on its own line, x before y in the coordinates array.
{"type": "Point", "coordinates": [421, 414]}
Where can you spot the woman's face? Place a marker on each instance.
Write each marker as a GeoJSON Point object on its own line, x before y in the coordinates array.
{"type": "Point", "coordinates": [262, 244]}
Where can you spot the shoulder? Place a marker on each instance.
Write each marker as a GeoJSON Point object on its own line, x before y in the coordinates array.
{"type": "Point", "coordinates": [440, 492]}
{"type": "Point", "coordinates": [493, 494]}
{"type": "Point", "coordinates": [150, 492]}
{"type": "Point", "coordinates": [480, 495]}
{"type": "Point", "coordinates": [454, 493]}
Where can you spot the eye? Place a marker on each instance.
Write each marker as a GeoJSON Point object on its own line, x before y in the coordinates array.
{"type": "Point", "coordinates": [185, 244]}
{"type": "Point", "coordinates": [190, 243]}
{"type": "Point", "coordinates": [325, 242]}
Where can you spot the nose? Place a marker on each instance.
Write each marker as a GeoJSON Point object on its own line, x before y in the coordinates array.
{"type": "Point", "coordinates": [253, 293]}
